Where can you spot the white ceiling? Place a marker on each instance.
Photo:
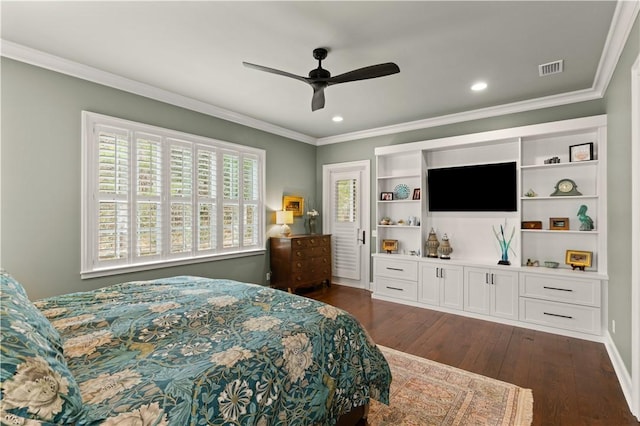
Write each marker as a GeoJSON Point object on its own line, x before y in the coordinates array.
{"type": "Point", "coordinates": [191, 54]}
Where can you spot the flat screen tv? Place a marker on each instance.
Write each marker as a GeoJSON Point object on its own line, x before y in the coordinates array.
{"type": "Point", "coordinates": [475, 188]}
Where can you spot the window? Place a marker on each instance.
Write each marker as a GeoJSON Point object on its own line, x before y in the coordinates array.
{"type": "Point", "coordinates": [154, 197]}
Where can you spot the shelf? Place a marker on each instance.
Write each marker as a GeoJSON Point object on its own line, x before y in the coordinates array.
{"type": "Point", "coordinates": [549, 231]}
{"type": "Point", "coordinates": [411, 176]}
{"type": "Point", "coordinates": [558, 165]}
{"type": "Point", "coordinates": [398, 201]}
{"type": "Point", "coordinates": [566, 197]}
{"type": "Point", "coordinates": [399, 226]}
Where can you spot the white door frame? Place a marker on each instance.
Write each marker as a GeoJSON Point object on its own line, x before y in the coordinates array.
{"type": "Point", "coordinates": [635, 240]}
{"type": "Point", "coordinates": [366, 209]}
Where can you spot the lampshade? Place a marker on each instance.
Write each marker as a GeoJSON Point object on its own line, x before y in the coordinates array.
{"type": "Point", "coordinates": [284, 217]}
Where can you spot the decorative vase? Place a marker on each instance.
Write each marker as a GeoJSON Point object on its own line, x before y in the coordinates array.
{"type": "Point", "coordinates": [445, 248]}
{"type": "Point", "coordinates": [312, 225]}
{"type": "Point", "coordinates": [432, 244]}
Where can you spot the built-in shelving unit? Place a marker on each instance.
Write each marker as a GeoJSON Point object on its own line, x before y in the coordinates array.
{"type": "Point", "coordinates": [516, 293]}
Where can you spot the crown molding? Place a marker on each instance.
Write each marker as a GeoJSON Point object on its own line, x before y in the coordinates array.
{"type": "Point", "coordinates": [621, 24]}
{"type": "Point", "coordinates": [64, 66]}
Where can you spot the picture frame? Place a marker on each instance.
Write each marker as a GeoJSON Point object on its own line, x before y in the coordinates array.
{"type": "Point", "coordinates": [559, 223]}
{"type": "Point", "coordinates": [578, 259]}
{"type": "Point", "coordinates": [581, 152]}
{"type": "Point", "coordinates": [386, 196]}
{"type": "Point", "coordinates": [416, 194]}
{"type": "Point", "coordinates": [531, 224]}
{"type": "Point", "coordinates": [390, 245]}
{"type": "Point", "coordinates": [293, 203]}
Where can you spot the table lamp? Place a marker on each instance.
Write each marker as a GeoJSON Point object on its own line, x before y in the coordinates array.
{"type": "Point", "coordinates": [284, 218]}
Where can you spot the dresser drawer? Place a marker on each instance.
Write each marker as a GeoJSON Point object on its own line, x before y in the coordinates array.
{"type": "Point", "coordinates": [399, 269]}
{"type": "Point", "coordinates": [581, 291]}
{"type": "Point", "coordinates": [584, 319]}
{"type": "Point", "coordinates": [399, 289]}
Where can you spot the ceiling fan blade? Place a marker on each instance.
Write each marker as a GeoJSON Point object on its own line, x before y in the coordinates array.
{"type": "Point", "coordinates": [365, 73]}
{"type": "Point", "coordinates": [275, 71]}
{"type": "Point", "coordinates": [317, 102]}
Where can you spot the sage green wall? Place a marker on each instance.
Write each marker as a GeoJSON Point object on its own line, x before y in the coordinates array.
{"type": "Point", "coordinates": [40, 166]}
{"type": "Point", "coordinates": [618, 105]}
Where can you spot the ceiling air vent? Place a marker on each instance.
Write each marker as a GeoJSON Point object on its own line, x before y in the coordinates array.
{"type": "Point", "coordinates": [554, 67]}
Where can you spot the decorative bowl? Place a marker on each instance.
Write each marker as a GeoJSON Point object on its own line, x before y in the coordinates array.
{"type": "Point", "coordinates": [550, 264]}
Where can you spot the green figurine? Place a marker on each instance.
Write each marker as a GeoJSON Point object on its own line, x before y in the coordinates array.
{"type": "Point", "coordinates": [586, 223]}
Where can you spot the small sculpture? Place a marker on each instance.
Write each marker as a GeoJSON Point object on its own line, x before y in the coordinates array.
{"type": "Point", "coordinates": [432, 244]}
{"type": "Point", "coordinates": [505, 245]}
{"type": "Point", "coordinates": [530, 193]}
{"type": "Point", "coordinates": [445, 248]}
{"type": "Point", "coordinates": [586, 223]}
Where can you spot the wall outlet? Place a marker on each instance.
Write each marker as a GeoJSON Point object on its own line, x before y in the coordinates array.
{"type": "Point", "coordinates": [613, 326]}
{"type": "Point", "coordinates": [268, 276]}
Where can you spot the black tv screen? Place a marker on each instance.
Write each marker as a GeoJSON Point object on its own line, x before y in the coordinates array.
{"type": "Point", "coordinates": [476, 188]}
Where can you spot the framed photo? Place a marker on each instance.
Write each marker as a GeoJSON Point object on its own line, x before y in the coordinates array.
{"type": "Point", "coordinates": [416, 194]}
{"type": "Point", "coordinates": [559, 223]}
{"type": "Point", "coordinates": [292, 203]}
{"type": "Point", "coordinates": [386, 196]}
{"type": "Point", "coordinates": [581, 152]}
{"type": "Point", "coordinates": [578, 259]}
{"type": "Point", "coordinates": [390, 245]}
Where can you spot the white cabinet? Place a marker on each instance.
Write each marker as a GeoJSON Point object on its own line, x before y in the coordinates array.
{"type": "Point", "coordinates": [396, 278]}
{"type": "Point", "coordinates": [559, 299]}
{"type": "Point", "coordinates": [441, 285]}
{"type": "Point", "coordinates": [570, 303]}
{"type": "Point", "coordinates": [491, 291]}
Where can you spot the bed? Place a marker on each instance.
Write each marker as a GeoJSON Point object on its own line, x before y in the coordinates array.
{"type": "Point", "coordinates": [184, 351]}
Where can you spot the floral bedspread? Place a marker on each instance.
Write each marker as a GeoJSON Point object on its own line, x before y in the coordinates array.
{"type": "Point", "coordinates": [196, 351]}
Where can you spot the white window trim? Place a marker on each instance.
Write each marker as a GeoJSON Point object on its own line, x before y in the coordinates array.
{"type": "Point", "coordinates": [89, 267]}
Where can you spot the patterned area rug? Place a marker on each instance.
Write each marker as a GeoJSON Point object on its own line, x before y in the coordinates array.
{"type": "Point", "coordinates": [425, 392]}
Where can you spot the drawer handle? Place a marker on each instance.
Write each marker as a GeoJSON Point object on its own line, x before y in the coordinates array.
{"type": "Point", "coordinates": [557, 315]}
{"type": "Point", "coordinates": [395, 288]}
{"type": "Point", "coordinates": [395, 269]}
{"type": "Point", "coordinates": [556, 288]}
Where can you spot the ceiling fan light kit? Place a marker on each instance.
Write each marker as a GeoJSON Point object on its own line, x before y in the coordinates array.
{"type": "Point", "coordinates": [320, 78]}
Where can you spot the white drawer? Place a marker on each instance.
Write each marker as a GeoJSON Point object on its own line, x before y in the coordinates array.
{"type": "Point", "coordinates": [561, 315]}
{"type": "Point", "coordinates": [399, 269]}
{"type": "Point", "coordinates": [581, 291]}
{"type": "Point", "coordinates": [400, 289]}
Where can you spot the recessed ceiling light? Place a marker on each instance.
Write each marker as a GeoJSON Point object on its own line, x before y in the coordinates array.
{"type": "Point", "coordinates": [337, 118]}
{"type": "Point", "coordinates": [481, 85]}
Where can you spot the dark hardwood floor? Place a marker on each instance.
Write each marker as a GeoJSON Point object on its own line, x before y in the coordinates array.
{"type": "Point", "coordinates": [573, 381]}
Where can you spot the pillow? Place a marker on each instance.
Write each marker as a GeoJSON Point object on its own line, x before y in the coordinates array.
{"type": "Point", "coordinates": [35, 382]}
{"type": "Point", "coordinates": [12, 289]}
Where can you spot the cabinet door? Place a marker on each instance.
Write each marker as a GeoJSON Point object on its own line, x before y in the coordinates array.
{"type": "Point", "coordinates": [477, 290]}
{"type": "Point", "coordinates": [429, 289]}
{"type": "Point", "coordinates": [504, 294]}
{"type": "Point", "coordinates": [451, 287]}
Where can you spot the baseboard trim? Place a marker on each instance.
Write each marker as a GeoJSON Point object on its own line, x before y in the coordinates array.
{"type": "Point", "coordinates": [624, 378]}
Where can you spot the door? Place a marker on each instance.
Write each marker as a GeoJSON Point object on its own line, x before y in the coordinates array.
{"type": "Point", "coordinates": [346, 218]}
{"type": "Point", "coordinates": [451, 289]}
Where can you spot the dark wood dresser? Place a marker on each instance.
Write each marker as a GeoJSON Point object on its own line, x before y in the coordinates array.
{"type": "Point", "coordinates": [300, 261]}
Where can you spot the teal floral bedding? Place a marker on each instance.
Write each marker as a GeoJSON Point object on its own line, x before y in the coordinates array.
{"type": "Point", "coordinates": [197, 351]}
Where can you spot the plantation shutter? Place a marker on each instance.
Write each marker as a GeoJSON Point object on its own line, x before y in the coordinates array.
{"type": "Point", "coordinates": [148, 211]}
{"type": "Point", "coordinates": [344, 228]}
{"type": "Point", "coordinates": [181, 198]}
{"type": "Point", "coordinates": [207, 190]}
{"type": "Point", "coordinates": [154, 196]}
{"type": "Point", "coordinates": [112, 195]}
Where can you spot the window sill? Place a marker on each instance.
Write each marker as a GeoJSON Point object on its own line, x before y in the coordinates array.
{"type": "Point", "coordinates": [103, 272]}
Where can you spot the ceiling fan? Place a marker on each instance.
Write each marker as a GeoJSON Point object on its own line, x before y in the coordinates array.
{"type": "Point", "coordinates": [320, 78]}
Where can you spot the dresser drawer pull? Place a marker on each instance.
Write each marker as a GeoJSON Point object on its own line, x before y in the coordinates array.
{"type": "Point", "coordinates": [558, 315]}
{"type": "Point", "coordinates": [556, 288]}
{"type": "Point", "coordinates": [395, 288]}
{"type": "Point", "coordinates": [395, 269]}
